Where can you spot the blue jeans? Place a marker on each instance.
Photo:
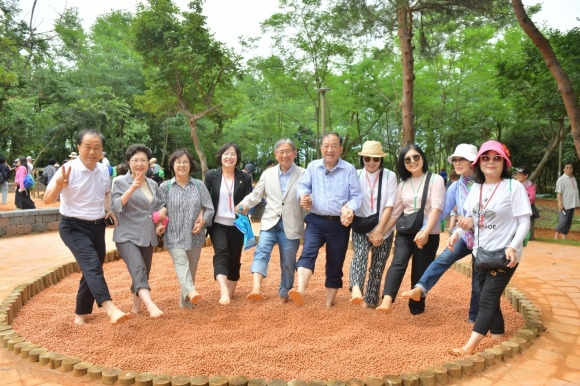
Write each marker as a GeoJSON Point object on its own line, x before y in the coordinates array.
{"type": "Point", "coordinates": [441, 264]}
{"type": "Point", "coordinates": [288, 249]}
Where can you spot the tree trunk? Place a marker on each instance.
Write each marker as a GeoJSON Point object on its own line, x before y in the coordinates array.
{"type": "Point", "coordinates": [405, 31]}
{"type": "Point", "coordinates": [197, 146]}
{"type": "Point", "coordinates": [564, 84]}
{"type": "Point", "coordinates": [554, 142]}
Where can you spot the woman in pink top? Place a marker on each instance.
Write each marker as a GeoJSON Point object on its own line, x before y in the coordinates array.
{"type": "Point", "coordinates": [422, 246]}
{"type": "Point", "coordinates": [22, 198]}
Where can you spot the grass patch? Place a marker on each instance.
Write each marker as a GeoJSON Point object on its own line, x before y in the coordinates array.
{"type": "Point", "coordinates": [549, 218]}
{"type": "Point", "coordinates": [560, 242]}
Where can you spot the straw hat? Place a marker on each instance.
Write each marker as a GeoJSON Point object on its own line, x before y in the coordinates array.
{"type": "Point", "coordinates": [372, 149]}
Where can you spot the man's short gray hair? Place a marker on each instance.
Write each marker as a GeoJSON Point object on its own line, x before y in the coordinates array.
{"type": "Point", "coordinates": [283, 141]}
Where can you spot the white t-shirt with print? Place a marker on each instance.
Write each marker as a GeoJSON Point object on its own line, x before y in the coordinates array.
{"type": "Point", "coordinates": [498, 215]}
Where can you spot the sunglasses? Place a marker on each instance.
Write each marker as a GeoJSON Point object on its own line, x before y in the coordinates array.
{"type": "Point", "coordinates": [368, 159]}
{"type": "Point", "coordinates": [455, 160]}
{"type": "Point", "coordinates": [416, 157]}
{"type": "Point", "coordinates": [496, 158]}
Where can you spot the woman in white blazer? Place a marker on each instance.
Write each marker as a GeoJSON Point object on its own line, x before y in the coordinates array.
{"type": "Point", "coordinates": [134, 201]}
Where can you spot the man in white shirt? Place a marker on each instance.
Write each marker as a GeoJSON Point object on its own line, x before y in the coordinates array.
{"type": "Point", "coordinates": [83, 186]}
{"type": "Point", "coordinates": [568, 200]}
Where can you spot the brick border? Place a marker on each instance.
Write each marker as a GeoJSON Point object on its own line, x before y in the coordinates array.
{"type": "Point", "coordinates": [440, 374]}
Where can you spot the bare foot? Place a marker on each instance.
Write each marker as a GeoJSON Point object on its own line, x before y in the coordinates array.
{"type": "Point", "coordinates": [118, 316]}
{"type": "Point", "coordinates": [366, 305]}
{"type": "Point", "coordinates": [459, 352]}
{"type": "Point", "coordinates": [255, 297]}
{"type": "Point", "coordinates": [296, 296]}
{"type": "Point", "coordinates": [386, 306]}
{"type": "Point", "coordinates": [283, 299]}
{"type": "Point", "coordinates": [194, 297]}
{"type": "Point", "coordinates": [224, 300]}
{"type": "Point", "coordinates": [136, 304]}
{"type": "Point", "coordinates": [154, 311]}
{"type": "Point", "coordinates": [356, 297]}
{"type": "Point", "coordinates": [330, 304]}
{"type": "Point", "coordinates": [80, 320]}
{"type": "Point", "coordinates": [414, 294]}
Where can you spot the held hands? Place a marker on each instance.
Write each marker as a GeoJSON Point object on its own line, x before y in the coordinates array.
{"type": "Point", "coordinates": [242, 209]}
{"type": "Point", "coordinates": [306, 202]}
{"type": "Point", "coordinates": [111, 216]}
{"type": "Point", "coordinates": [198, 225]}
{"type": "Point", "coordinates": [421, 239]}
{"type": "Point", "coordinates": [160, 229]}
{"type": "Point", "coordinates": [346, 215]}
{"type": "Point", "coordinates": [376, 237]}
{"type": "Point", "coordinates": [465, 223]}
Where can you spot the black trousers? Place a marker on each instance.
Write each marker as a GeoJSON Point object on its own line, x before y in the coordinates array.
{"type": "Point", "coordinates": [228, 243]}
{"type": "Point", "coordinates": [87, 244]}
{"type": "Point", "coordinates": [405, 248]}
{"type": "Point", "coordinates": [492, 283]}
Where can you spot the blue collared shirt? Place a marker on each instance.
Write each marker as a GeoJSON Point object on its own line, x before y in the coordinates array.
{"type": "Point", "coordinates": [330, 190]}
{"type": "Point", "coordinates": [284, 177]}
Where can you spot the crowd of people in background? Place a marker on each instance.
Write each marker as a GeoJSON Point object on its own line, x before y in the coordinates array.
{"type": "Point", "coordinates": [489, 209]}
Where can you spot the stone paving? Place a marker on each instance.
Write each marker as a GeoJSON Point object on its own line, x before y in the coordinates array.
{"type": "Point", "coordinates": [549, 276]}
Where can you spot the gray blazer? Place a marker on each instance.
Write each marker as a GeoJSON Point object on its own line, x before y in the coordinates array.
{"type": "Point", "coordinates": [287, 206]}
{"type": "Point", "coordinates": [135, 218]}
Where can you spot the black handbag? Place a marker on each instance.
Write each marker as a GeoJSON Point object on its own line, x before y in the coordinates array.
{"type": "Point", "coordinates": [411, 223]}
{"type": "Point", "coordinates": [535, 212]}
{"type": "Point", "coordinates": [364, 225]}
{"type": "Point", "coordinates": [490, 259]}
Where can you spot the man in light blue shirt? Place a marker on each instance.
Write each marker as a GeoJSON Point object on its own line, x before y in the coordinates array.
{"type": "Point", "coordinates": [330, 190]}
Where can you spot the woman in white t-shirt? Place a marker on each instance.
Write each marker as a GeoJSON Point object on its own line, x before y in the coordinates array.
{"type": "Point", "coordinates": [379, 241]}
{"type": "Point", "coordinates": [500, 210]}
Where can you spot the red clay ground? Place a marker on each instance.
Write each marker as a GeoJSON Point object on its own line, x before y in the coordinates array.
{"type": "Point", "coordinates": [263, 339]}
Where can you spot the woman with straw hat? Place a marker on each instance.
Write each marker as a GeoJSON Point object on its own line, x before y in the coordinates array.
{"type": "Point", "coordinates": [377, 183]}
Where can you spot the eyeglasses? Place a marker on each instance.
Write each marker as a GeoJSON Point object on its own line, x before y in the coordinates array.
{"type": "Point", "coordinates": [182, 162]}
{"type": "Point", "coordinates": [454, 160]}
{"type": "Point", "coordinates": [416, 157]}
{"type": "Point", "coordinates": [139, 161]}
{"type": "Point", "coordinates": [368, 159]}
{"type": "Point", "coordinates": [284, 152]}
{"type": "Point", "coordinates": [485, 158]}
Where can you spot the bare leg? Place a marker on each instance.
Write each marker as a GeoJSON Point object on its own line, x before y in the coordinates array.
{"type": "Point", "coordinates": [470, 346]}
{"type": "Point", "coordinates": [331, 296]}
{"type": "Point", "coordinates": [145, 296]}
{"type": "Point", "coordinates": [256, 294]}
{"type": "Point", "coordinates": [231, 287]}
{"type": "Point", "coordinates": [563, 236]}
{"type": "Point", "coordinates": [298, 295]}
{"type": "Point", "coordinates": [556, 236]}
{"type": "Point", "coordinates": [224, 293]}
{"type": "Point", "coordinates": [80, 319]}
{"type": "Point", "coordinates": [115, 314]}
{"type": "Point", "coordinates": [387, 305]}
{"type": "Point", "coordinates": [356, 296]}
{"type": "Point", "coordinates": [414, 294]}
{"type": "Point", "coordinates": [136, 307]}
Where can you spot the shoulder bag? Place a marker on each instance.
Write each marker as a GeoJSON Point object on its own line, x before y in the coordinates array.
{"type": "Point", "coordinates": [366, 224]}
{"type": "Point", "coordinates": [411, 223]}
{"type": "Point", "coordinates": [488, 259]}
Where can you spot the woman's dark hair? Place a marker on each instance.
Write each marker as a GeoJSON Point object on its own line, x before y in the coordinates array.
{"type": "Point", "coordinates": [479, 177]}
{"type": "Point", "coordinates": [223, 149]}
{"type": "Point", "coordinates": [2, 159]}
{"type": "Point", "coordinates": [90, 132]}
{"type": "Point", "coordinates": [23, 162]}
{"type": "Point", "coordinates": [177, 154]}
{"type": "Point", "coordinates": [122, 169]}
{"type": "Point", "coordinates": [136, 148]}
{"type": "Point", "coordinates": [51, 161]}
{"type": "Point", "coordinates": [404, 174]}
{"type": "Point", "coordinates": [362, 161]}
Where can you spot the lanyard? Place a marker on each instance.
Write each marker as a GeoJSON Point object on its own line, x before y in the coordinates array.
{"type": "Point", "coordinates": [482, 208]}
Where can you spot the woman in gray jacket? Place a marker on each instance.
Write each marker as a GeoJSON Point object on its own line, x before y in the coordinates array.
{"type": "Point", "coordinates": [134, 201]}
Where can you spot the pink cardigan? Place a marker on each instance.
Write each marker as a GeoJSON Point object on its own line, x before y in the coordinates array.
{"type": "Point", "coordinates": [21, 173]}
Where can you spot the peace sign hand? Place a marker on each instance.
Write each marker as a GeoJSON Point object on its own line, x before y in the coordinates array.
{"type": "Point", "coordinates": [63, 178]}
